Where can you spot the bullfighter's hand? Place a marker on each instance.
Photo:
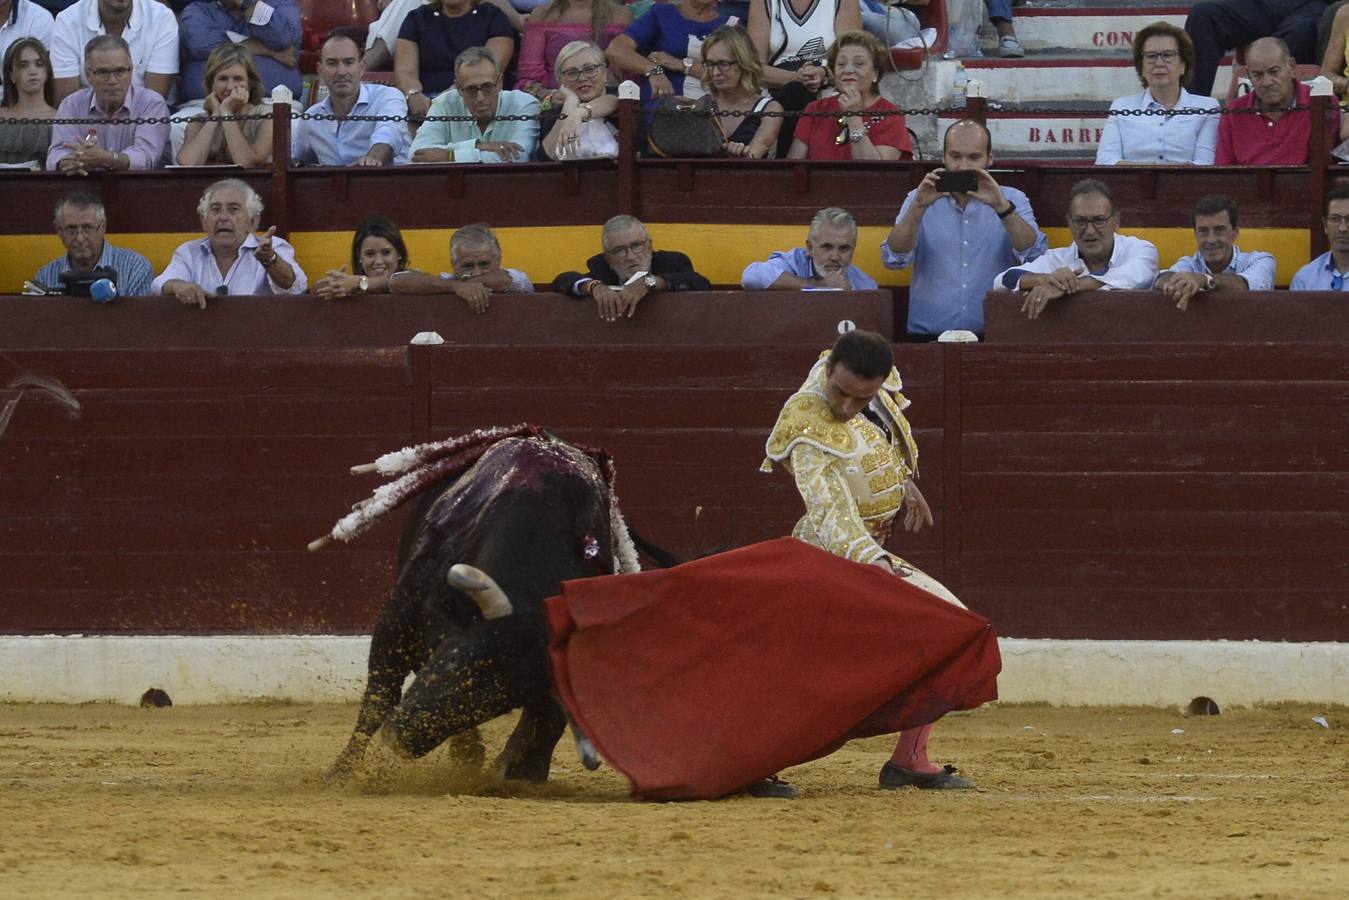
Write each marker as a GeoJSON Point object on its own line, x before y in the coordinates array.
{"type": "Point", "coordinates": [916, 511]}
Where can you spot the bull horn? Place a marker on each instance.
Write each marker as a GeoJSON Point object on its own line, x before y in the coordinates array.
{"type": "Point", "coordinates": [491, 599]}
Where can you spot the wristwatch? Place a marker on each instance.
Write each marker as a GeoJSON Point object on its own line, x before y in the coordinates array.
{"type": "Point", "coordinates": [650, 282]}
{"type": "Point", "coordinates": [364, 283]}
{"type": "Point", "coordinates": [688, 65]}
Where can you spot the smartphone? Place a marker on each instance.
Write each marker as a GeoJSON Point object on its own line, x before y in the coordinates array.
{"type": "Point", "coordinates": [965, 181]}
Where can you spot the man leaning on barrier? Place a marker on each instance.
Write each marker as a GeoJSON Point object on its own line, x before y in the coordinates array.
{"type": "Point", "coordinates": [82, 223]}
{"type": "Point", "coordinates": [1218, 265]}
{"type": "Point", "coordinates": [496, 126]}
{"type": "Point", "coordinates": [120, 138]}
{"type": "Point", "coordinates": [628, 270]}
{"type": "Point", "coordinates": [824, 264]}
{"type": "Point", "coordinates": [1098, 259]}
{"type": "Point", "coordinates": [1328, 271]}
{"type": "Point", "coordinates": [231, 259]}
{"type": "Point", "coordinates": [331, 139]}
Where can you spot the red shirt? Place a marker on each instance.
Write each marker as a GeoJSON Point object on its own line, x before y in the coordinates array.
{"type": "Point", "coordinates": [1247, 139]}
{"type": "Point", "coordinates": [819, 132]}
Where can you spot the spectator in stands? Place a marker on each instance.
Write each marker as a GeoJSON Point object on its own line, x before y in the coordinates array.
{"type": "Point", "coordinates": [557, 24]}
{"type": "Point", "coordinates": [1278, 135]}
{"type": "Point", "coordinates": [488, 138]}
{"type": "Point", "coordinates": [269, 29]}
{"type": "Point", "coordinates": [120, 142]}
{"type": "Point", "coordinates": [628, 270]}
{"type": "Point", "coordinates": [1164, 60]}
{"type": "Point", "coordinates": [233, 88]}
{"type": "Point", "coordinates": [794, 50]}
{"type": "Point", "coordinates": [1098, 258]}
{"type": "Point", "coordinates": [28, 94]}
{"type": "Point", "coordinates": [475, 255]}
{"type": "Point", "coordinates": [82, 225]}
{"type": "Point", "coordinates": [857, 122]}
{"type": "Point", "coordinates": [1333, 62]}
{"type": "Point", "coordinates": [149, 28]}
{"type": "Point", "coordinates": [1329, 270]}
{"type": "Point", "coordinates": [432, 37]}
{"type": "Point", "coordinates": [578, 128]}
{"type": "Point", "coordinates": [377, 252]}
{"type": "Point", "coordinates": [824, 264]}
{"type": "Point", "coordinates": [231, 259]}
{"type": "Point", "coordinates": [1219, 265]}
{"type": "Point", "coordinates": [344, 142]}
{"type": "Point", "coordinates": [382, 35]}
{"type": "Point", "coordinates": [958, 241]}
{"type": "Point", "coordinates": [658, 46]}
{"type": "Point", "coordinates": [1219, 26]}
{"type": "Point", "coordinates": [732, 75]}
{"type": "Point", "coordinates": [23, 19]}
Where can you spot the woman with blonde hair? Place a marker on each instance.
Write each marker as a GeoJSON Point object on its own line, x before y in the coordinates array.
{"type": "Point", "coordinates": [27, 75]}
{"type": "Point", "coordinates": [233, 88]}
{"type": "Point", "coordinates": [578, 129]}
{"type": "Point", "coordinates": [558, 24]}
{"type": "Point", "coordinates": [733, 76]}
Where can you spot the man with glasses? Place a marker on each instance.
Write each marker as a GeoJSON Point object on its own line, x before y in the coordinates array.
{"type": "Point", "coordinates": [82, 224]}
{"type": "Point", "coordinates": [337, 141]}
{"type": "Point", "coordinates": [1098, 259]}
{"type": "Point", "coordinates": [149, 28]}
{"type": "Point", "coordinates": [1279, 134]}
{"type": "Point", "coordinates": [629, 269]}
{"type": "Point", "coordinates": [120, 141]}
{"type": "Point", "coordinates": [504, 125]}
{"type": "Point", "coordinates": [1219, 265]}
{"type": "Point", "coordinates": [1327, 272]}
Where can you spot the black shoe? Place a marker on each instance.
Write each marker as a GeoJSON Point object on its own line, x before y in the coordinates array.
{"type": "Point", "coordinates": [892, 776]}
{"type": "Point", "coordinates": [773, 788]}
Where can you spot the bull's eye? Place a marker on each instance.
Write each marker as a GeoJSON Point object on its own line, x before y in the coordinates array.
{"type": "Point", "coordinates": [592, 547]}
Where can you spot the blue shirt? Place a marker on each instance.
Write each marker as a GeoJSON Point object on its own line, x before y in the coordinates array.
{"type": "Point", "coordinates": [133, 271]}
{"type": "Point", "coordinates": [461, 136]}
{"type": "Point", "coordinates": [1257, 267]}
{"type": "Point", "coordinates": [955, 259]}
{"type": "Point", "coordinates": [759, 276]}
{"type": "Point", "coordinates": [205, 25]}
{"type": "Point", "coordinates": [340, 142]}
{"type": "Point", "coordinates": [1183, 138]}
{"type": "Point", "coordinates": [663, 27]}
{"type": "Point", "coordinates": [1319, 275]}
{"type": "Point", "coordinates": [441, 38]}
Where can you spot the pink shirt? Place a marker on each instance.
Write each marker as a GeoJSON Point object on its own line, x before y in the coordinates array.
{"type": "Point", "coordinates": [1246, 139]}
{"type": "Point", "coordinates": [544, 40]}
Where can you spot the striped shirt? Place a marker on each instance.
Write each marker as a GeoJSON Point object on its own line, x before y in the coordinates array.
{"type": "Point", "coordinates": [134, 273]}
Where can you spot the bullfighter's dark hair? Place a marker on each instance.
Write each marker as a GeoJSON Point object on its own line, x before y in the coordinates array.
{"type": "Point", "coordinates": [864, 353]}
{"type": "Point", "coordinates": [1213, 204]}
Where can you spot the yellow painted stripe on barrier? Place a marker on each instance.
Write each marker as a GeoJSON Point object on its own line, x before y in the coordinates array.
{"type": "Point", "coordinates": [720, 252]}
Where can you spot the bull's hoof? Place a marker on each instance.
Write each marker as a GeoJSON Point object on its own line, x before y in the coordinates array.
{"type": "Point", "coordinates": [348, 762]}
{"type": "Point", "coordinates": [466, 749]}
{"type": "Point", "coordinates": [772, 788]}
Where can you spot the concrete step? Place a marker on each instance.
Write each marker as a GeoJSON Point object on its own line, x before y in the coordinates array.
{"type": "Point", "coordinates": [1080, 75]}
{"type": "Point", "coordinates": [1082, 28]}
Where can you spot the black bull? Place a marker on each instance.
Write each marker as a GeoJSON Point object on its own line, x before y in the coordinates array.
{"type": "Point", "coordinates": [530, 514]}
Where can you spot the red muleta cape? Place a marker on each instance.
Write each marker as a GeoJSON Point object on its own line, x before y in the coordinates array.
{"type": "Point", "coordinates": [699, 680]}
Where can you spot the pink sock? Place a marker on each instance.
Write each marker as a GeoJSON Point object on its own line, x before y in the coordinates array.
{"type": "Point", "coordinates": [911, 751]}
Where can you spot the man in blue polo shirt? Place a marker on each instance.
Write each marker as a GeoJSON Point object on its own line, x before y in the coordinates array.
{"type": "Point", "coordinates": [957, 241]}
{"type": "Point", "coordinates": [1327, 272]}
{"type": "Point", "coordinates": [342, 141]}
{"type": "Point", "coordinates": [825, 262]}
{"type": "Point", "coordinates": [1219, 265]}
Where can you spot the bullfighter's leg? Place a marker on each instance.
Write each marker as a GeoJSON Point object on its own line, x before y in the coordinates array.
{"type": "Point", "coordinates": [389, 663]}
{"type": "Point", "coordinates": [529, 751]}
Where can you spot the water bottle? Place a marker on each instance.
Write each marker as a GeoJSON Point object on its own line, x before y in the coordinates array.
{"type": "Point", "coordinates": [958, 84]}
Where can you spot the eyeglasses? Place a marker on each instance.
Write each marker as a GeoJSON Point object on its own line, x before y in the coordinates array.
{"type": "Point", "coordinates": [589, 71]}
{"type": "Point", "coordinates": [1080, 223]}
{"type": "Point", "coordinates": [478, 90]}
{"type": "Point", "coordinates": [71, 231]}
{"type": "Point", "coordinates": [719, 65]}
{"type": "Point", "coordinates": [1166, 56]}
{"type": "Point", "coordinates": [119, 72]}
{"type": "Point", "coordinates": [630, 249]}
{"type": "Point", "coordinates": [1337, 221]}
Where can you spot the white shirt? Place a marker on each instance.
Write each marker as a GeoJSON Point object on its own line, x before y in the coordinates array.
{"type": "Point", "coordinates": [1133, 266]}
{"type": "Point", "coordinates": [1183, 138]}
{"type": "Point", "coordinates": [195, 262]}
{"type": "Point", "coordinates": [25, 19]}
{"type": "Point", "coordinates": [151, 33]}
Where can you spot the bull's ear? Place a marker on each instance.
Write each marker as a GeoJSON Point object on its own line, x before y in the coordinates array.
{"type": "Point", "coordinates": [479, 586]}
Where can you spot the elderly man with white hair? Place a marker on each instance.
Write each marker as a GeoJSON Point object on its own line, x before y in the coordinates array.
{"type": "Point", "coordinates": [824, 264]}
{"type": "Point", "coordinates": [231, 259]}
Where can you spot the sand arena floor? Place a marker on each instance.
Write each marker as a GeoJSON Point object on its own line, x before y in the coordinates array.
{"type": "Point", "coordinates": [99, 800]}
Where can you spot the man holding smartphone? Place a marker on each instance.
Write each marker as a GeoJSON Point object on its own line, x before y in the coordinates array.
{"type": "Point", "coordinates": [958, 229]}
